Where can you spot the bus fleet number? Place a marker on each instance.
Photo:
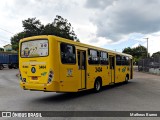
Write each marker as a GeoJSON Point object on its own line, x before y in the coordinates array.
{"type": "Point", "coordinates": [42, 67]}
{"type": "Point", "coordinates": [98, 69]}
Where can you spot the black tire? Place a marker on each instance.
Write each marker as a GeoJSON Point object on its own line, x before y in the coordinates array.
{"type": "Point", "coordinates": [97, 86]}
{"type": "Point", "coordinates": [1, 67]}
{"type": "Point", "coordinates": [126, 79]}
{"type": "Point", "coordinates": [15, 66]}
{"type": "Point", "coordinates": [10, 67]}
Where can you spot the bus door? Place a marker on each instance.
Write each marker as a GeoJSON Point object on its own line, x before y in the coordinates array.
{"type": "Point", "coordinates": [112, 68]}
{"type": "Point", "coordinates": [82, 68]}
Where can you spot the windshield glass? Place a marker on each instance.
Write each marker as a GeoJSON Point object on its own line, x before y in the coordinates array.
{"type": "Point", "coordinates": [34, 48]}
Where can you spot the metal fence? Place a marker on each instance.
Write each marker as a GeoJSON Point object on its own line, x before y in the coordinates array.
{"type": "Point", "coordinates": [148, 63]}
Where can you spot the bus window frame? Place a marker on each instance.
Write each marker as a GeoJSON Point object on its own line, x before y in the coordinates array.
{"type": "Point", "coordinates": [34, 40]}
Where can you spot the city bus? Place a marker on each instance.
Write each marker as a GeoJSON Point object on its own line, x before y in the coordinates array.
{"type": "Point", "coordinates": [51, 63]}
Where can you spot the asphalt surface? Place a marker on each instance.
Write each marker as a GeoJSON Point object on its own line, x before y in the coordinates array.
{"type": "Point", "coordinates": [141, 94]}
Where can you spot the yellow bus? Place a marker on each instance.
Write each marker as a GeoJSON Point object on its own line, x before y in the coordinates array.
{"type": "Point", "coordinates": [50, 63]}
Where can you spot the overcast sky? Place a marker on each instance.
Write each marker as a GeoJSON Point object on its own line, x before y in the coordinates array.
{"type": "Point", "coordinates": [111, 24]}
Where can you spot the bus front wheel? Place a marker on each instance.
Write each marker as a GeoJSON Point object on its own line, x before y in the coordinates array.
{"type": "Point", "coordinates": [97, 86]}
{"type": "Point", "coordinates": [126, 79]}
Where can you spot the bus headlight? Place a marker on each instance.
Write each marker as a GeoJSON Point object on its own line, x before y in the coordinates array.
{"type": "Point", "coordinates": [50, 76]}
{"type": "Point", "coordinates": [22, 79]}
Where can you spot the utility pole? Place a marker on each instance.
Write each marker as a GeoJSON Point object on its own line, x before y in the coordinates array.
{"type": "Point", "coordinates": [147, 46]}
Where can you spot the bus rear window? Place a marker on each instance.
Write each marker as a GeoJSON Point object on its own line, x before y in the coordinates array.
{"type": "Point", "coordinates": [34, 48]}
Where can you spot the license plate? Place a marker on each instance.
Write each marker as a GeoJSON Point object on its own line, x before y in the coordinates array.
{"type": "Point", "coordinates": [34, 78]}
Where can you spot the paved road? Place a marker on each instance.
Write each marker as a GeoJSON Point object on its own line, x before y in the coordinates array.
{"type": "Point", "coordinates": [140, 94]}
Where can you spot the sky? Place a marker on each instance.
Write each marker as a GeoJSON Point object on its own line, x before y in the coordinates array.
{"type": "Point", "coordinates": [110, 24]}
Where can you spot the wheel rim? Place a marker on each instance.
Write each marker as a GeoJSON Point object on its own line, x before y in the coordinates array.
{"type": "Point", "coordinates": [97, 85]}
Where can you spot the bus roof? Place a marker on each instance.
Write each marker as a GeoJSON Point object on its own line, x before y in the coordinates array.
{"type": "Point", "coordinates": [76, 43]}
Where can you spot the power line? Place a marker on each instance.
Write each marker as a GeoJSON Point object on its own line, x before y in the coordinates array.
{"type": "Point", "coordinates": [4, 41]}
{"type": "Point", "coordinates": [3, 37]}
{"type": "Point", "coordinates": [6, 31]}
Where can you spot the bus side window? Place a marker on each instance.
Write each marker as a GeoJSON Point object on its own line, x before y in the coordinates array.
{"type": "Point", "coordinates": [93, 56]}
{"type": "Point", "coordinates": [104, 58]}
{"type": "Point", "coordinates": [123, 60]}
{"type": "Point", "coordinates": [78, 54]}
{"type": "Point", "coordinates": [67, 54]}
{"type": "Point", "coordinates": [118, 60]}
{"type": "Point", "coordinates": [127, 61]}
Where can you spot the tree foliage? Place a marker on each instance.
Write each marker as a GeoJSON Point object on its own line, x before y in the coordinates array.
{"type": "Point", "coordinates": [156, 54]}
{"type": "Point", "coordinates": [137, 52]}
{"type": "Point", "coordinates": [32, 27]}
{"type": "Point", "coordinates": [1, 49]}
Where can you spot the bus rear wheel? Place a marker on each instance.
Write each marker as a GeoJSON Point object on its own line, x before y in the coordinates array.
{"type": "Point", "coordinates": [97, 86]}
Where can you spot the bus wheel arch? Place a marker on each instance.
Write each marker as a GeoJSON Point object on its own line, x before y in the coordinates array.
{"type": "Point", "coordinates": [98, 84]}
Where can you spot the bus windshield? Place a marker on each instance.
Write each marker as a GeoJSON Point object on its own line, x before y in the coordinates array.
{"type": "Point", "coordinates": [34, 48]}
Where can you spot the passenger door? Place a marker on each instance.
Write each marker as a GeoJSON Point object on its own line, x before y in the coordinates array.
{"type": "Point", "coordinates": [131, 69]}
{"type": "Point", "coordinates": [112, 68]}
{"type": "Point", "coordinates": [82, 68]}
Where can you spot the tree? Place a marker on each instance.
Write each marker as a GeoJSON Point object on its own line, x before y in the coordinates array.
{"type": "Point", "coordinates": [64, 28]}
{"type": "Point", "coordinates": [15, 40]}
{"type": "Point", "coordinates": [32, 27]}
{"type": "Point", "coordinates": [156, 54]}
{"type": "Point", "coordinates": [128, 51]}
{"type": "Point", "coordinates": [137, 52]}
{"type": "Point", "coordinates": [1, 49]}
